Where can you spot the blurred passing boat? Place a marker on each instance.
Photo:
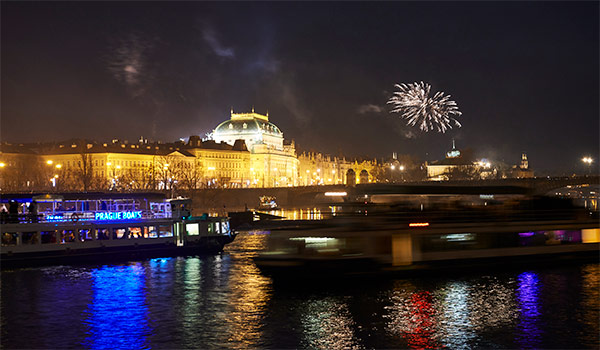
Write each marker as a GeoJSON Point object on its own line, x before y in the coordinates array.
{"type": "Point", "coordinates": [390, 237]}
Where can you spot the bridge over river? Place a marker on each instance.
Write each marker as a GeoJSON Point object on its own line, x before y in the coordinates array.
{"type": "Point", "coordinates": [239, 199]}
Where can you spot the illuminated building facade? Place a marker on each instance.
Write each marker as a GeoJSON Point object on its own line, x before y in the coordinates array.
{"type": "Point", "coordinates": [245, 151]}
{"type": "Point", "coordinates": [273, 163]}
{"type": "Point", "coordinates": [522, 170]}
{"type": "Point", "coordinates": [319, 169]}
{"type": "Point", "coordinates": [84, 165]}
{"type": "Point", "coordinates": [457, 166]}
{"type": "Point", "coordinates": [223, 162]}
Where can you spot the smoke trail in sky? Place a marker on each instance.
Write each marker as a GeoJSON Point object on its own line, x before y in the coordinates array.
{"type": "Point", "coordinates": [128, 62]}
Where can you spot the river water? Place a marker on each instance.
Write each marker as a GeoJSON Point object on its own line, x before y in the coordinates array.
{"type": "Point", "coordinates": [225, 302]}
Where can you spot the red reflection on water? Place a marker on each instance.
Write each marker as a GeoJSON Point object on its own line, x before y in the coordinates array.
{"type": "Point", "coordinates": [422, 314]}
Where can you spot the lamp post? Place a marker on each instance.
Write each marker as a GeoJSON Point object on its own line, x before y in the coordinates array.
{"type": "Point", "coordinates": [211, 174]}
{"type": "Point", "coordinates": [117, 173]}
{"type": "Point", "coordinates": [53, 180]}
{"type": "Point", "coordinates": [166, 177]}
{"type": "Point", "coordinates": [2, 165]}
{"type": "Point", "coordinates": [49, 163]}
{"type": "Point", "coordinates": [113, 174]}
{"type": "Point", "coordinates": [58, 175]}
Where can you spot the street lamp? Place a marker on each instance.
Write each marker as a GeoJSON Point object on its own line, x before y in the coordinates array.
{"type": "Point", "coordinates": [53, 180]}
{"type": "Point", "coordinates": [588, 161]}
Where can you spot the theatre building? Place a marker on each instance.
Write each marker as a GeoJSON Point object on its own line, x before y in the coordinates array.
{"type": "Point", "coordinates": [245, 151]}
{"type": "Point", "coordinates": [272, 161]}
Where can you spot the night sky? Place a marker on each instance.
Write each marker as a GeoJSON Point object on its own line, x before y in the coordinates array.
{"type": "Point", "coordinates": [524, 74]}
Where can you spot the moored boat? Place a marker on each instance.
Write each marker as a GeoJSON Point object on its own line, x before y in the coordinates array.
{"type": "Point", "coordinates": [103, 227]}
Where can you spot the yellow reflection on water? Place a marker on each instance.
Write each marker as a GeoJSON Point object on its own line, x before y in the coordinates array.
{"type": "Point", "coordinates": [590, 304]}
{"type": "Point", "coordinates": [250, 291]}
{"type": "Point", "coordinates": [492, 303]}
{"type": "Point", "coordinates": [301, 214]}
{"type": "Point", "coordinates": [191, 296]}
{"type": "Point", "coordinates": [327, 324]}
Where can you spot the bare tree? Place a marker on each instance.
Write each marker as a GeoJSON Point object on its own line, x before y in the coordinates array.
{"type": "Point", "coordinates": [463, 172]}
{"type": "Point", "coordinates": [85, 170]}
{"type": "Point", "coordinates": [23, 174]}
{"type": "Point", "coordinates": [170, 170]}
{"type": "Point", "coordinates": [192, 175]}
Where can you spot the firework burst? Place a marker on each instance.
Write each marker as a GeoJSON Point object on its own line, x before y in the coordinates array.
{"type": "Point", "coordinates": [414, 103]}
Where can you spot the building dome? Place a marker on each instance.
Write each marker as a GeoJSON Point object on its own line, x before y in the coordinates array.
{"type": "Point", "coordinates": [253, 128]}
{"type": "Point", "coordinates": [237, 127]}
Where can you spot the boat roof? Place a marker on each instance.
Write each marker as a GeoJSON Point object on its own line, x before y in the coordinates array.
{"type": "Point", "coordinates": [82, 196]}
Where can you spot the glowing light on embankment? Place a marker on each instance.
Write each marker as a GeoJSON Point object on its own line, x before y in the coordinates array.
{"type": "Point", "coordinates": [335, 194]}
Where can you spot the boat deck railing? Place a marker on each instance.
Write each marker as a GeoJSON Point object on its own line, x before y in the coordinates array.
{"type": "Point", "coordinates": [76, 216]}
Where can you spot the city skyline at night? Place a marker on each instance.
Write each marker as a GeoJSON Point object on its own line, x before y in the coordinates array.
{"type": "Point", "coordinates": [524, 75]}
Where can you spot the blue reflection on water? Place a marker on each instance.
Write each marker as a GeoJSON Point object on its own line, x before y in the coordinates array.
{"type": "Point", "coordinates": [117, 316]}
{"type": "Point", "coordinates": [529, 334]}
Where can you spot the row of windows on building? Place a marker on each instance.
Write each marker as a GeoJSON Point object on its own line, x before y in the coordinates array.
{"type": "Point", "coordinates": [225, 165]}
{"type": "Point", "coordinates": [218, 155]}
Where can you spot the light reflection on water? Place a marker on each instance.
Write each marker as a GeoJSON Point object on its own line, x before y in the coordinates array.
{"type": "Point", "coordinates": [529, 333]}
{"type": "Point", "coordinates": [456, 318]}
{"type": "Point", "coordinates": [117, 316]}
{"type": "Point", "coordinates": [327, 324]}
{"type": "Point", "coordinates": [302, 214]}
{"type": "Point", "coordinates": [453, 315]}
{"type": "Point", "coordinates": [249, 293]}
{"type": "Point", "coordinates": [224, 301]}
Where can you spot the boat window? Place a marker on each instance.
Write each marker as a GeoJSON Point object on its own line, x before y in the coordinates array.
{"type": "Point", "coordinates": [67, 236]}
{"type": "Point", "coordinates": [86, 235]}
{"type": "Point", "coordinates": [151, 230]}
{"type": "Point", "coordinates": [211, 228]}
{"type": "Point", "coordinates": [135, 232]}
{"type": "Point", "coordinates": [48, 237]}
{"type": "Point", "coordinates": [192, 229]}
{"type": "Point", "coordinates": [9, 238]}
{"type": "Point", "coordinates": [217, 227]}
{"type": "Point", "coordinates": [29, 238]}
{"type": "Point", "coordinates": [119, 233]}
{"type": "Point", "coordinates": [165, 231]}
{"type": "Point", "coordinates": [549, 237]}
{"type": "Point", "coordinates": [590, 235]}
{"type": "Point", "coordinates": [103, 234]}
{"type": "Point", "coordinates": [225, 227]}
